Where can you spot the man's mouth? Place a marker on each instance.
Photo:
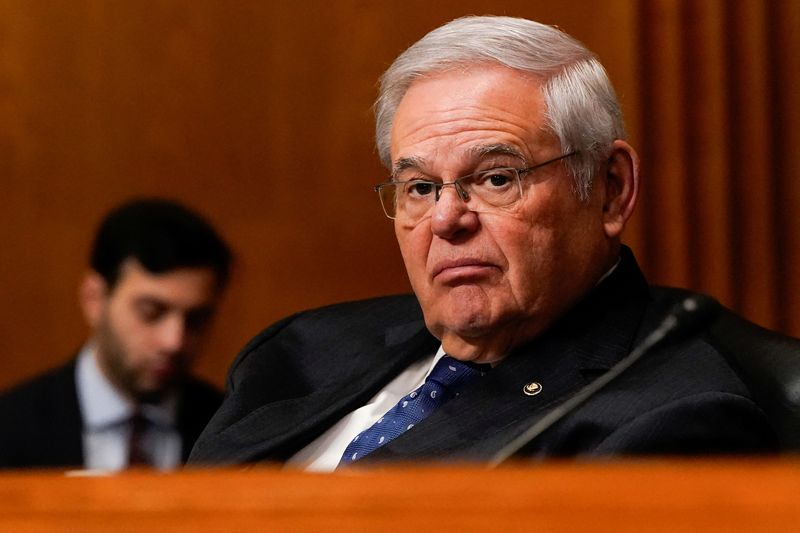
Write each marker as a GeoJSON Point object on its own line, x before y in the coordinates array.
{"type": "Point", "coordinates": [460, 270]}
{"type": "Point", "coordinates": [164, 370]}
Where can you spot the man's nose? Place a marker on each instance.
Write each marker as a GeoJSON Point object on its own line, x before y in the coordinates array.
{"type": "Point", "coordinates": [451, 215]}
{"type": "Point", "coordinates": [172, 334]}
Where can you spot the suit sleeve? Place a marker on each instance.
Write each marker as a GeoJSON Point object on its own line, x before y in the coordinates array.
{"type": "Point", "coordinates": [702, 424]}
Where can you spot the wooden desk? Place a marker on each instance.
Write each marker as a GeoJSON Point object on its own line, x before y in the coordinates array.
{"type": "Point", "coordinates": [650, 496]}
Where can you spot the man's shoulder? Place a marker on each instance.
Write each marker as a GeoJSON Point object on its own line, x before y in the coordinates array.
{"type": "Point", "coordinates": [689, 395]}
{"type": "Point", "coordinates": [40, 392]}
{"type": "Point", "coordinates": [753, 353]}
{"type": "Point", "coordinates": [331, 338]}
{"type": "Point", "coordinates": [354, 317]}
{"type": "Point", "coordinates": [725, 357]}
{"type": "Point", "coordinates": [41, 421]}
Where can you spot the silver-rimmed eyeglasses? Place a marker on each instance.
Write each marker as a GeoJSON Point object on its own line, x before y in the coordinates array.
{"type": "Point", "coordinates": [412, 199]}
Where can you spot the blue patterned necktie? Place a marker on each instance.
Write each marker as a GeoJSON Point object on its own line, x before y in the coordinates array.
{"type": "Point", "coordinates": [412, 408]}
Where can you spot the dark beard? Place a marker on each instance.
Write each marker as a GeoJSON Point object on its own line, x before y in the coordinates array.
{"type": "Point", "coordinates": [112, 356]}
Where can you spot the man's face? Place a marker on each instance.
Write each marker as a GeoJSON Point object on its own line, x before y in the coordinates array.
{"type": "Point", "coordinates": [149, 327]}
{"type": "Point", "coordinates": [490, 280]}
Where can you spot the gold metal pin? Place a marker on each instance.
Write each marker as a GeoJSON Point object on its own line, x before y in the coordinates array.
{"type": "Point", "coordinates": [532, 389]}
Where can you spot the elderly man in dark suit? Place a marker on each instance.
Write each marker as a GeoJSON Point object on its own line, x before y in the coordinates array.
{"type": "Point", "coordinates": [157, 271]}
{"type": "Point", "coordinates": [510, 186]}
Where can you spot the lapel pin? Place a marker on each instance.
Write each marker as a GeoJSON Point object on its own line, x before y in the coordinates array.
{"type": "Point", "coordinates": [532, 389]}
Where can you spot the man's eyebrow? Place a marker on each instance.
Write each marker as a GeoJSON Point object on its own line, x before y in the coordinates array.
{"type": "Point", "coordinates": [480, 152]}
{"type": "Point", "coordinates": [476, 153]}
{"type": "Point", "coordinates": [146, 299]}
{"type": "Point", "coordinates": [404, 163]}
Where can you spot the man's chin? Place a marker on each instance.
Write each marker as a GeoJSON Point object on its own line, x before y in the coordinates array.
{"type": "Point", "coordinates": [467, 326]}
{"type": "Point", "coordinates": [154, 390]}
{"type": "Point", "coordinates": [466, 319]}
{"type": "Point", "coordinates": [475, 348]}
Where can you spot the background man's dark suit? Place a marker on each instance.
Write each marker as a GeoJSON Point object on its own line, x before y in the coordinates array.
{"type": "Point", "coordinates": [42, 424]}
{"type": "Point", "coordinates": [302, 375]}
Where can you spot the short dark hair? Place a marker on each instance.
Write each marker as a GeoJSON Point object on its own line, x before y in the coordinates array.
{"type": "Point", "coordinates": [162, 235]}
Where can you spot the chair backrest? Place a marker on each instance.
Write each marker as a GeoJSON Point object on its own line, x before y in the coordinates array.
{"type": "Point", "coordinates": [768, 363]}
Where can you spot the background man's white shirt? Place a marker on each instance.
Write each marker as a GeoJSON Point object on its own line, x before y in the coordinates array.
{"type": "Point", "coordinates": [106, 428]}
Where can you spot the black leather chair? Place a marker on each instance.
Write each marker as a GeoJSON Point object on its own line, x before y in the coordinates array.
{"type": "Point", "coordinates": [768, 362]}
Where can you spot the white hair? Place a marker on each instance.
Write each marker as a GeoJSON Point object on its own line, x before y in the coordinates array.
{"type": "Point", "coordinates": [581, 107]}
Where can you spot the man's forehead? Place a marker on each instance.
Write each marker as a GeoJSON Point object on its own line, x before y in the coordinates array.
{"type": "Point", "coordinates": [184, 283]}
{"type": "Point", "coordinates": [468, 115]}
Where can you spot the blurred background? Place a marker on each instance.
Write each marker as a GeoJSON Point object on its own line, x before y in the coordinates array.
{"type": "Point", "coordinates": [258, 114]}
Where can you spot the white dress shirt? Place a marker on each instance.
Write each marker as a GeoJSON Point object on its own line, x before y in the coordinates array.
{"type": "Point", "coordinates": [106, 414]}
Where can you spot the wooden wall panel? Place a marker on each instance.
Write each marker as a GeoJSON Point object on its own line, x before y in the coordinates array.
{"type": "Point", "coordinates": [706, 144]}
{"type": "Point", "coordinates": [720, 178]}
{"type": "Point", "coordinates": [664, 191]}
{"type": "Point", "coordinates": [259, 115]}
{"type": "Point", "coordinates": [753, 177]}
{"type": "Point", "coordinates": [784, 19]}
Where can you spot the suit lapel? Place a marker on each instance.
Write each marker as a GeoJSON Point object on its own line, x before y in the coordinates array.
{"type": "Point", "coordinates": [276, 430]}
{"type": "Point", "coordinates": [494, 409]}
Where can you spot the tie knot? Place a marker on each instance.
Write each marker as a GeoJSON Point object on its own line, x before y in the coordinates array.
{"type": "Point", "coordinates": [450, 372]}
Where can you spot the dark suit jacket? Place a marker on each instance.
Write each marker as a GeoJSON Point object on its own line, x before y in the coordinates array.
{"type": "Point", "coordinates": [303, 374]}
{"type": "Point", "coordinates": [42, 423]}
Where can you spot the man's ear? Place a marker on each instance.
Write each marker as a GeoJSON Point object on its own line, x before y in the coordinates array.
{"type": "Point", "coordinates": [92, 294]}
{"type": "Point", "coordinates": [621, 187]}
